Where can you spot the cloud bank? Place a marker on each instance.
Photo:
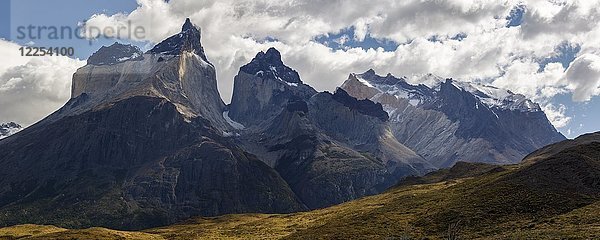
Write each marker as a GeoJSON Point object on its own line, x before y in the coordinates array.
{"type": "Point", "coordinates": [32, 87]}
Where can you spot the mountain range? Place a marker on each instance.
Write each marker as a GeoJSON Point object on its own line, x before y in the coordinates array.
{"type": "Point", "coordinates": [146, 139]}
{"type": "Point", "coordinates": [455, 121]}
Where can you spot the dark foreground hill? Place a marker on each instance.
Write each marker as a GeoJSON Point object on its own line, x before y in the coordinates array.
{"type": "Point", "coordinates": [557, 196]}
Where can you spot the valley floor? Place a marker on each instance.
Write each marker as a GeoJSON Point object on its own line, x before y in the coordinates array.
{"type": "Point", "coordinates": [426, 211]}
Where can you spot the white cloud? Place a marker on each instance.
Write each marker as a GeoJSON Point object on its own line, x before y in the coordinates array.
{"type": "Point", "coordinates": [11, 56]}
{"type": "Point", "coordinates": [522, 76]}
{"type": "Point", "coordinates": [566, 18]}
{"type": "Point", "coordinates": [32, 87]}
{"type": "Point", "coordinates": [506, 57]}
{"type": "Point", "coordinates": [584, 77]}
{"type": "Point", "coordinates": [557, 115]}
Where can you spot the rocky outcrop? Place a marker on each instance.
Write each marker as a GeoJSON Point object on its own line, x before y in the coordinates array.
{"type": "Point", "coordinates": [365, 128]}
{"type": "Point", "coordinates": [140, 144]}
{"type": "Point", "coordinates": [330, 148]}
{"type": "Point", "coordinates": [364, 106]}
{"type": "Point", "coordinates": [319, 169]}
{"type": "Point", "coordinates": [263, 87]}
{"type": "Point", "coordinates": [183, 76]}
{"type": "Point", "coordinates": [456, 121]}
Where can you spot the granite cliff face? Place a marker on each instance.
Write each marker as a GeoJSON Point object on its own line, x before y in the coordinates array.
{"type": "Point", "coordinates": [330, 148]}
{"type": "Point", "coordinates": [363, 125]}
{"type": "Point", "coordinates": [175, 69]}
{"type": "Point", "coordinates": [140, 144]}
{"type": "Point", "coordinates": [263, 87]}
{"type": "Point", "coordinates": [456, 121]}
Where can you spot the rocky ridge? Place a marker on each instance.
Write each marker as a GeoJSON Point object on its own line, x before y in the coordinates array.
{"type": "Point", "coordinates": [454, 121]}
{"type": "Point", "coordinates": [330, 148]}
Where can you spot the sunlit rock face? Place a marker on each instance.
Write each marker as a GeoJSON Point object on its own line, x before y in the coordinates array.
{"type": "Point", "coordinates": [176, 69]}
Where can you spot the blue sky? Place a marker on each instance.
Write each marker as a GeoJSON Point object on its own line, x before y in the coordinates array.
{"type": "Point", "coordinates": [64, 13]}
{"type": "Point", "coordinates": [69, 13]}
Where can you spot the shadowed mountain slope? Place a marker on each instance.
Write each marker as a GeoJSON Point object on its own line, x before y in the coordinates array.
{"type": "Point", "coordinates": [556, 197]}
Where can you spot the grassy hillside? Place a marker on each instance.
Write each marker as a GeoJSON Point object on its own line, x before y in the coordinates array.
{"type": "Point", "coordinates": [554, 197]}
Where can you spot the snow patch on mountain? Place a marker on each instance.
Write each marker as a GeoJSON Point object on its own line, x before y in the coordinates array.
{"type": "Point", "coordinates": [494, 97]}
{"type": "Point", "coordinates": [430, 80]}
{"type": "Point", "coordinates": [365, 82]}
{"type": "Point", "coordinates": [397, 87]}
{"type": "Point", "coordinates": [8, 129]}
{"type": "Point", "coordinates": [133, 56]}
{"type": "Point", "coordinates": [419, 89]}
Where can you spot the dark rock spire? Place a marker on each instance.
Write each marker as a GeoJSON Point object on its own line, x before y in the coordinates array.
{"type": "Point", "coordinates": [187, 40]}
{"type": "Point", "coordinates": [270, 65]}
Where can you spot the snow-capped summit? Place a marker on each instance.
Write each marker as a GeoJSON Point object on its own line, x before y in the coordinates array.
{"type": "Point", "coordinates": [397, 87]}
{"type": "Point", "coordinates": [494, 97]}
{"type": "Point", "coordinates": [7, 129]}
{"type": "Point", "coordinates": [429, 85]}
{"type": "Point", "coordinates": [448, 121]}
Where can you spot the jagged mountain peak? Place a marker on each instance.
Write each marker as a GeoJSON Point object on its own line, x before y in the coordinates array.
{"type": "Point", "coordinates": [372, 73]}
{"type": "Point", "coordinates": [372, 76]}
{"type": "Point", "coordinates": [263, 87]}
{"type": "Point", "coordinates": [115, 54]}
{"type": "Point", "coordinates": [369, 72]}
{"type": "Point", "coordinates": [495, 97]}
{"type": "Point", "coordinates": [269, 65]}
{"type": "Point", "coordinates": [431, 85]}
{"type": "Point", "coordinates": [188, 26]}
{"type": "Point", "coordinates": [510, 123]}
{"type": "Point", "coordinates": [187, 40]}
{"type": "Point", "coordinates": [394, 86]}
{"type": "Point", "coordinates": [272, 55]}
